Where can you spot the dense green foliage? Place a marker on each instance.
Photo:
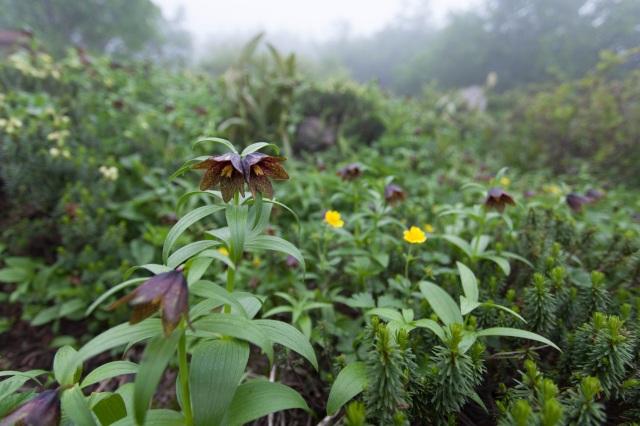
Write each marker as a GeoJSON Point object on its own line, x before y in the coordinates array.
{"type": "Point", "coordinates": [514, 299]}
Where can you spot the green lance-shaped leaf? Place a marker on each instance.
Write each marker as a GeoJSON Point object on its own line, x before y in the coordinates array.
{"type": "Point", "coordinates": [108, 371]}
{"type": "Point", "coordinates": [157, 355]}
{"type": "Point", "coordinates": [155, 418]}
{"type": "Point", "coordinates": [183, 254]}
{"type": "Point", "coordinates": [211, 290]}
{"type": "Point", "coordinates": [469, 282]}
{"type": "Point", "coordinates": [110, 409]}
{"type": "Point", "coordinates": [216, 369]}
{"type": "Point", "coordinates": [113, 290]}
{"type": "Point", "coordinates": [215, 325]}
{"type": "Point", "coordinates": [460, 243]}
{"type": "Point", "coordinates": [442, 304]}
{"type": "Point", "coordinates": [217, 140]}
{"type": "Point", "coordinates": [185, 222]}
{"type": "Point", "coordinates": [514, 332]}
{"type": "Point", "coordinates": [187, 166]}
{"type": "Point", "coordinates": [257, 398]}
{"type": "Point", "coordinates": [154, 268]}
{"type": "Point", "coordinates": [188, 195]}
{"type": "Point", "coordinates": [76, 407]}
{"type": "Point", "coordinates": [67, 366]}
{"type": "Point", "coordinates": [257, 146]}
{"type": "Point", "coordinates": [121, 335]}
{"type": "Point", "coordinates": [349, 383]}
{"type": "Point", "coordinates": [498, 260]}
{"type": "Point", "coordinates": [431, 325]}
{"type": "Point", "coordinates": [288, 336]}
{"type": "Point", "coordinates": [268, 242]}
{"type": "Point", "coordinates": [237, 221]}
{"type": "Point", "coordinates": [387, 314]}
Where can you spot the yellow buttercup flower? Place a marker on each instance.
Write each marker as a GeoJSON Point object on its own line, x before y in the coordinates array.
{"type": "Point", "coordinates": [415, 235]}
{"type": "Point", "coordinates": [505, 181]}
{"type": "Point", "coordinates": [333, 218]}
{"type": "Point", "coordinates": [223, 251]}
{"type": "Point", "coordinates": [429, 228]}
{"type": "Point", "coordinates": [256, 261]}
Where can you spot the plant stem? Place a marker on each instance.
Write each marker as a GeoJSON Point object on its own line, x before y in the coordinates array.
{"type": "Point", "coordinates": [406, 266]}
{"type": "Point", "coordinates": [184, 377]}
{"type": "Point", "coordinates": [231, 275]}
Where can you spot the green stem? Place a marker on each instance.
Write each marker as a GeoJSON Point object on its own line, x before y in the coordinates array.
{"type": "Point", "coordinates": [231, 275]}
{"type": "Point", "coordinates": [406, 266]}
{"type": "Point", "coordinates": [184, 377]}
{"type": "Point", "coordinates": [480, 229]}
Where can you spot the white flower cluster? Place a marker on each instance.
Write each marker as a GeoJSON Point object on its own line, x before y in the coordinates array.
{"type": "Point", "coordinates": [109, 173]}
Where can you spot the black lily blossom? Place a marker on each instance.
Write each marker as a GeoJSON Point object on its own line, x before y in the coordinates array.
{"type": "Point", "coordinates": [258, 168]}
{"type": "Point", "coordinates": [226, 170]}
{"type": "Point", "coordinates": [498, 199]}
{"type": "Point", "coordinates": [393, 194]}
{"type": "Point", "coordinates": [576, 201]}
{"type": "Point", "coordinates": [43, 409]}
{"type": "Point", "coordinates": [168, 291]}
{"type": "Point", "coordinates": [350, 172]}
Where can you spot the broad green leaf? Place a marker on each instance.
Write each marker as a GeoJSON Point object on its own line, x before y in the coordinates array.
{"type": "Point", "coordinates": [76, 407]}
{"type": "Point", "coordinates": [481, 246]}
{"type": "Point", "coordinates": [215, 254]}
{"type": "Point", "coordinates": [387, 314]}
{"type": "Point", "coordinates": [211, 290]}
{"type": "Point", "coordinates": [467, 305]}
{"type": "Point", "coordinates": [186, 166]}
{"type": "Point", "coordinates": [58, 311]}
{"type": "Point", "coordinates": [161, 417]}
{"type": "Point", "coordinates": [216, 369]}
{"type": "Point", "coordinates": [217, 140]}
{"type": "Point", "coordinates": [504, 308]}
{"type": "Point", "coordinates": [198, 267]}
{"type": "Point", "coordinates": [188, 251]}
{"type": "Point", "coordinates": [120, 335]}
{"type": "Point", "coordinates": [460, 243]}
{"type": "Point", "coordinates": [268, 242]}
{"type": "Point", "coordinates": [258, 145]}
{"type": "Point", "coordinates": [431, 325]}
{"type": "Point", "coordinates": [514, 332]}
{"type": "Point", "coordinates": [469, 282]}
{"type": "Point", "coordinates": [110, 409]}
{"type": "Point", "coordinates": [237, 221]}
{"type": "Point", "coordinates": [111, 291]}
{"type": "Point", "coordinates": [288, 336]}
{"type": "Point", "coordinates": [468, 339]}
{"type": "Point", "coordinates": [500, 261]}
{"type": "Point", "coordinates": [185, 222]}
{"type": "Point", "coordinates": [156, 356]}
{"type": "Point", "coordinates": [67, 367]}
{"type": "Point", "coordinates": [257, 398]}
{"type": "Point", "coordinates": [349, 383]}
{"type": "Point", "coordinates": [442, 304]}
{"type": "Point", "coordinates": [214, 325]}
{"type": "Point", "coordinates": [155, 269]}
{"type": "Point", "coordinates": [108, 371]}
{"type": "Point", "coordinates": [250, 302]}
{"type": "Point", "coordinates": [13, 275]}
{"type": "Point", "coordinates": [32, 374]}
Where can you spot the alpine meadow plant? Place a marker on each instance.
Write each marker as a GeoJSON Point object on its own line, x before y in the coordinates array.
{"type": "Point", "coordinates": [205, 329]}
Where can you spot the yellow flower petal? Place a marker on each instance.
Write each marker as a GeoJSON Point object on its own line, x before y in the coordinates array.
{"type": "Point", "coordinates": [332, 217]}
{"type": "Point", "coordinates": [415, 235]}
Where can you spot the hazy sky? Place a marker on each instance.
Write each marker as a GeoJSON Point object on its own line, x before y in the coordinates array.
{"type": "Point", "coordinates": [309, 19]}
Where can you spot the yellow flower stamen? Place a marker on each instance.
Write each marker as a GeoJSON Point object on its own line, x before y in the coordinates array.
{"type": "Point", "coordinates": [415, 235]}
{"type": "Point", "coordinates": [333, 218]}
{"type": "Point", "coordinates": [227, 170]}
{"type": "Point", "coordinates": [257, 170]}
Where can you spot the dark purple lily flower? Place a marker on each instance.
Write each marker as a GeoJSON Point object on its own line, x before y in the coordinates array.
{"type": "Point", "coordinates": [350, 172]}
{"type": "Point", "coordinates": [168, 291]}
{"type": "Point", "coordinates": [258, 168]}
{"type": "Point", "coordinates": [393, 194]}
{"type": "Point", "coordinates": [576, 201]}
{"type": "Point", "coordinates": [43, 409]}
{"type": "Point", "coordinates": [594, 195]}
{"type": "Point", "coordinates": [498, 199]}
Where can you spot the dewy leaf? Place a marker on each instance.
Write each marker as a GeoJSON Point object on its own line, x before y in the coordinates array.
{"type": "Point", "coordinates": [258, 145]}
{"type": "Point", "coordinates": [217, 140]}
{"type": "Point", "coordinates": [155, 358]}
{"type": "Point", "coordinates": [67, 367]}
{"type": "Point", "coordinates": [514, 332]}
{"type": "Point", "coordinates": [442, 304]}
{"type": "Point", "coordinates": [469, 282]}
{"type": "Point", "coordinates": [108, 371]}
{"type": "Point", "coordinates": [288, 336]}
{"type": "Point", "coordinates": [237, 221]}
{"type": "Point", "coordinates": [268, 242]}
{"type": "Point", "coordinates": [349, 383]}
{"type": "Point", "coordinates": [216, 369]}
{"type": "Point", "coordinates": [75, 405]}
{"type": "Point", "coordinates": [185, 222]}
{"type": "Point", "coordinates": [257, 398]}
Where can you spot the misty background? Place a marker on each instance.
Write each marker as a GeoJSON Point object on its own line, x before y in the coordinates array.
{"type": "Point", "coordinates": [403, 45]}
